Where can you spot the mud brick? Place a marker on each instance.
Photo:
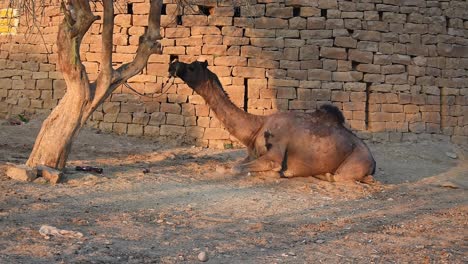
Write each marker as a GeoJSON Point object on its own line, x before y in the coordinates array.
{"type": "Point", "coordinates": [124, 118]}
{"type": "Point", "coordinates": [397, 78]}
{"type": "Point", "coordinates": [195, 132]}
{"type": "Point", "coordinates": [294, 23]}
{"type": "Point", "coordinates": [221, 71]}
{"type": "Point", "coordinates": [297, 74]}
{"type": "Point", "coordinates": [173, 119]}
{"type": "Point", "coordinates": [290, 54]}
{"type": "Point", "coordinates": [222, 11]}
{"type": "Point", "coordinates": [216, 133]}
{"type": "Point", "coordinates": [171, 50]}
{"type": "Point", "coordinates": [360, 56]}
{"type": "Point", "coordinates": [43, 84]}
{"type": "Point", "coordinates": [334, 23]}
{"type": "Point", "coordinates": [308, 53]}
{"type": "Point", "coordinates": [411, 109]}
{"type": "Point", "coordinates": [370, 68]}
{"type": "Point", "coordinates": [344, 65]}
{"type": "Point", "coordinates": [256, 84]}
{"type": "Point", "coordinates": [393, 69]}
{"type": "Point", "coordinates": [248, 72]}
{"type": "Point", "coordinates": [194, 20]}
{"type": "Point", "coordinates": [355, 86]}
{"type": "Point", "coordinates": [354, 106]}
{"type": "Point", "coordinates": [315, 22]}
{"type": "Point", "coordinates": [376, 126]}
{"type": "Point", "coordinates": [431, 117]}
{"type": "Point", "coordinates": [281, 12]}
{"type": "Point", "coordinates": [382, 59]}
{"type": "Point", "coordinates": [286, 64]}
{"type": "Point", "coordinates": [151, 131]}
{"type": "Point", "coordinates": [171, 108]}
{"type": "Point", "coordinates": [351, 76]}
{"type": "Point", "coordinates": [230, 61]}
{"type": "Point", "coordinates": [236, 41]}
{"type": "Point", "coordinates": [317, 74]}
{"type": "Point", "coordinates": [267, 42]}
{"type": "Point", "coordinates": [21, 172]}
{"type": "Point", "coordinates": [339, 96]}
{"type": "Point", "coordinates": [300, 105]}
{"type": "Point", "coordinates": [317, 37]}
{"type": "Point", "coordinates": [202, 110]}
{"type": "Point", "coordinates": [205, 30]}
{"type": "Point", "coordinates": [330, 65]}
{"type": "Point", "coordinates": [260, 103]}
{"type": "Point", "coordinates": [418, 99]}
{"type": "Point", "coordinates": [358, 96]}
{"type": "Point", "coordinates": [214, 49]}
{"type": "Point", "coordinates": [392, 108]}
{"type": "Point", "coordinates": [171, 130]}
{"type": "Point", "coordinates": [401, 59]}
{"type": "Point", "coordinates": [417, 127]}
{"type": "Point", "coordinates": [232, 31]}
{"type": "Point", "coordinates": [294, 43]}
{"type": "Point", "coordinates": [220, 21]}
{"type": "Point", "coordinates": [120, 128]}
{"type": "Point", "coordinates": [203, 121]}
{"type": "Point", "coordinates": [271, 23]}
{"type": "Point", "coordinates": [260, 33]}
{"type": "Point", "coordinates": [359, 125]}
{"type": "Point", "coordinates": [380, 117]}
{"type": "Point", "coordinates": [333, 53]}
{"type": "Point", "coordinates": [346, 42]}
{"type": "Point", "coordinates": [213, 39]}
{"type": "Point", "coordinates": [111, 107]}
{"type": "Point", "coordinates": [190, 41]}
{"type": "Point", "coordinates": [286, 93]}
{"type": "Point", "coordinates": [404, 98]}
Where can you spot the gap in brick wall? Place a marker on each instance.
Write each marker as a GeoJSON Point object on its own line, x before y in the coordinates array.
{"type": "Point", "coordinates": [296, 11]}
{"type": "Point", "coordinates": [179, 19]}
{"type": "Point", "coordinates": [246, 94]}
{"type": "Point", "coordinates": [323, 12]}
{"type": "Point", "coordinates": [163, 9]}
{"type": "Point", "coordinates": [380, 15]}
{"type": "Point", "coordinates": [354, 65]}
{"type": "Point", "coordinates": [237, 11]}
{"type": "Point", "coordinates": [366, 117]}
{"type": "Point", "coordinates": [205, 10]}
{"type": "Point", "coordinates": [350, 31]}
{"type": "Point", "coordinates": [130, 8]}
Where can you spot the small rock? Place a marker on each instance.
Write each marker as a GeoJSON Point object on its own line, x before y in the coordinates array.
{"type": "Point", "coordinates": [291, 254]}
{"type": "Point", "coordinates": [52, 175]}
{"type": "Point", "coordinates": [451, 155]}
{"type": "Point", "coordinates": [146, 170]}
{"type": "Point", "coordinates": [390, 199]}
{"type": "Point", "coordinates": [319, 241]}
{"type": "Point", "coordinates": [203, 257]}
{"type": "Point", "coordinates": [21, 172]}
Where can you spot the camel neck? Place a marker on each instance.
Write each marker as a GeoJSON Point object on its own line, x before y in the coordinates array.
{"type": "Point", "coordinates": [240, 124]}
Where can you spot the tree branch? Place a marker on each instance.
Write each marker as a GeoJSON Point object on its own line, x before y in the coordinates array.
{"type": "Point", "coordinates": [107, 39]}
{"type": "Point", "coordinates": [148, 45]}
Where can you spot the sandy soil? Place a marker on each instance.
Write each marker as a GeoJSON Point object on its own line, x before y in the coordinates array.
{"type": "Point", "coordinates": [187, 203]}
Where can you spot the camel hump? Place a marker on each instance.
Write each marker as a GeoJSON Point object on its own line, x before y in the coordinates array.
{"type": "Point", "coordinates": [334, 111]}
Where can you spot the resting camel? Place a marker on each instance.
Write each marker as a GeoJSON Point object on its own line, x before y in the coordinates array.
{"type": "Point", "coordinates": [291, 144]}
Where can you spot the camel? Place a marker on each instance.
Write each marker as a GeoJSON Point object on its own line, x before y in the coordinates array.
{"type": "Point", "coordinates": [288, 143]}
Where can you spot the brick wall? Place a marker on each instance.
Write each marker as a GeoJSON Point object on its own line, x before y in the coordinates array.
{"type": "Point", "coordinates": [397, 68]}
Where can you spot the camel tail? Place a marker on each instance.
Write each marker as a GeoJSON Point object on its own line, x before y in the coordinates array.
{"type": "Point", "coordinates": [333, 110]}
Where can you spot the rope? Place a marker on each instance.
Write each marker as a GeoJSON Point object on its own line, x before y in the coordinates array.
{"type": "Point", "coordinates": [150, 94]}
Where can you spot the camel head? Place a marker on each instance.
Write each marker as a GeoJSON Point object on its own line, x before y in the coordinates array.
{"type": "Point", "coordinates": [193, 74]}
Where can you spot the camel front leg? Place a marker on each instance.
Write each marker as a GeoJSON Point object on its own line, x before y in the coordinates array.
{"type": "Point", "coordinates": [271, 161]}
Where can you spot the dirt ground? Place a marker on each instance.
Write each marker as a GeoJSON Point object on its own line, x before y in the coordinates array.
{"type": "Point", "coordinates": [188, 203]}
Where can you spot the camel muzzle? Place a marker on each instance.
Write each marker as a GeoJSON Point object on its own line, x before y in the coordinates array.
{"type": "Point", "coordinates": [173, 67]}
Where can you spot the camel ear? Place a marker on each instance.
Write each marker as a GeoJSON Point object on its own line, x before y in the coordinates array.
{"type": "Point", "coordinates": [205, 64]}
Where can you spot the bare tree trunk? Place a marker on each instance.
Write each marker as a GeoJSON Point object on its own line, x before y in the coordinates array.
{"type": "Point", "coordinates": [53, 144]}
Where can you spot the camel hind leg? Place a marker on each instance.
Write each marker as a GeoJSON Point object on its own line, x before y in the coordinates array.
{"type": "Point", "coordinates": [358, 166]}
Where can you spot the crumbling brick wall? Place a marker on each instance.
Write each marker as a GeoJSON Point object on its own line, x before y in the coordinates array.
{"type": "Point", "coordinates": [397, 68]}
